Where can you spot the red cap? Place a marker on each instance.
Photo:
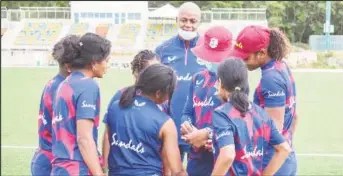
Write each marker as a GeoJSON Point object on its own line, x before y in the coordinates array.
{"type": "Point", "coordinates": [215, 45]}
{"type": "Point", "coordinates": [250, 39]}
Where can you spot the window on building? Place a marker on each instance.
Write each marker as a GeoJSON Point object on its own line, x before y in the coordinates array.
{"type": "Point", "coordinates": [109, 15]}
{"type": "Point", "coordinates": [130, 16]}
{"type": "Point", "coordinates": [90, 15]}
{"type": "Point", "coordinates": [138, 16]}
{"type": "Point", "coordinates": [96, 15]}
{"type": "Point", "coordinates": [123, 18]}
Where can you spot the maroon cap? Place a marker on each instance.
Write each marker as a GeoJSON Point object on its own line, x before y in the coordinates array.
{"type": "Point", "coordinates": [250, 39]}
{"type": "Point", "coordinates": [215, 45]}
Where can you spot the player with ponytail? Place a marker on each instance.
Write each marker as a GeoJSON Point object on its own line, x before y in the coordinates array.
{"type": "Point", "coordinates": [243, 130]}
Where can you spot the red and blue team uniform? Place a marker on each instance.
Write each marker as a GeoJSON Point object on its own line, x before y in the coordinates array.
{"type": "Point", "coordinates": [250, 136]}
{"type": "Point", "coordinates": [177, 55]}
{"type": "Point", "coordinates": [78, 97]}
{"type": "Point", "coordinates": [135, 145]}
{"type": "Point", "coordinates": [277, 89]}
{"type": "Point", "coordinates": [41, 161]}
{"type": "Point", "coordinates": [201, 102]}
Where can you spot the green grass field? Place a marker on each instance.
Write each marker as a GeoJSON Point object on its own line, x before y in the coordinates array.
{"type": "Point", "coordinates": [318, 140]}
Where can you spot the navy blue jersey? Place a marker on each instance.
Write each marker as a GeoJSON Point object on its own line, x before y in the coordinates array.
{"type": "Point", "coordinates": [177, 55]}
{"type": "Point", "coordinates": [134, 140]}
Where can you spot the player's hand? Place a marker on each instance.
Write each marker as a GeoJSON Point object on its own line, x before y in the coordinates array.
{"type": "Point", "coordinates": [186, 128]}
{"type": "Point", "coordinates": [197, 138]}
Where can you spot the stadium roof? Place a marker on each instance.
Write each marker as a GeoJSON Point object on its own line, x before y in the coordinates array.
{"type": "Point", "coordinates": [166, 11]}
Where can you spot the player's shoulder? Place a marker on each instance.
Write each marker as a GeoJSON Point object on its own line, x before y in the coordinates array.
{"type": "Point", "coordinates": [53, 83]}
{"type": "Point", "coordinates": [158, 112]}
{"type": "Point", "coordinates": [259, 111]}
{"type": "Point", "coordinates": [117, 95]}
{"type": "Point", "coordinates": [120, 91]}
{"type": "Point", "coordinates": [89, 82]}
{"type": "Point", "coordinates": [57, 80]}
{"type": "Point", "coordinates": [223, 109]}
{"type": "Point", "coordinates": [49, 84]}
{"type": "Point", "coordinates": [147, 106]}
{"type": "Point", "coordinates": [278, 68]}
{"type": "Point", "coordinates": [167, 42]}
{"type": "Point", "coordinates": [220, 107]}
{"type": "Point", "coordinates": [163, 46]}
{"type": "Point", "coordinates": [114, 108]}
{"type": "Point", "coordinates": [85, 84]}
{"type": "Point", "coordinates": [272, 76]}
{"type": "Point", "coordinates": [222, 112]}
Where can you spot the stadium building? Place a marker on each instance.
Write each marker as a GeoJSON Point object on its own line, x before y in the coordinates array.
{"type": "Point", "coordinates": [31, 32]}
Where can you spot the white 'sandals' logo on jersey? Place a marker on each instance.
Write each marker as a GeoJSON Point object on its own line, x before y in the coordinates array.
{"type": "Point", "coordinates": [139, 104]}
{"type": "Point", "coordinates": [171, 58]}
{"type": "Point", "coordinates": [276, 94]}
{"type": "Point", "coordinates": [291, 102]}
{"type": "Point", "coordinates": [206, 102]}
{"type": "Point", "coordinates": [41, 116]}
{"type": "Point", "coordinates": [57, 119]}
{"type": "Point", "coordinates": [188, 77]}
{"type": "Point", "coordinates": [139, 148]}
{"type": "Point", "coordinates": [222, 134]}
{"type": "Point", "coordinates": [85, 105]}
{"type": "Point", "coordinates": [253, 154]}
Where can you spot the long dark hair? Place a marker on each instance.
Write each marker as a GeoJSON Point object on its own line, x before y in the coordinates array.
{"type": "Point", "coordinates": [279, 45]}
{"type": "Point", "coordinates": [91, 47]}
{"type": "Point", "coordinates": [60, 53]}
{"type": "Point", "coordinates": [233, 75]}
{"type": "Point", "coordinates": [153, 78]}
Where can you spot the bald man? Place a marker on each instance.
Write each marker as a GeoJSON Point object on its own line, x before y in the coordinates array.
{"type": "Point", "coordinates": [176, 53]}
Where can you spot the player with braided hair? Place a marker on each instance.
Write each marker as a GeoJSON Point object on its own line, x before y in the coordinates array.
{"type": "Point", "coordinates": [141, 60]}
{"type": "Point", "coordinates": [41, 161]}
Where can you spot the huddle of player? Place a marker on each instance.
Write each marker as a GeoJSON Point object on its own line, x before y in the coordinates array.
{"type": "Point", "coordinates": [167, 111]}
